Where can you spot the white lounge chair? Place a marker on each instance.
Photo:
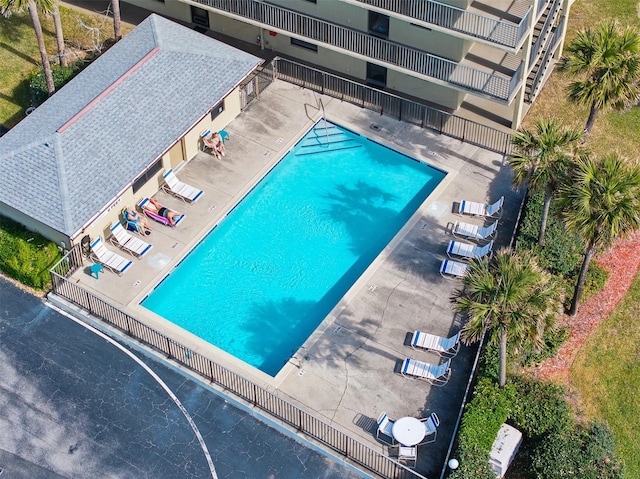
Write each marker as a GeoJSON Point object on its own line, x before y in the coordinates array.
{"type": "Point", "coordinates": [468, 251]}
{"type": "Point", "coordinates": [431, 424]}
{"type": "Point", "coordinates": [408, 454]}
{"type": "Point", "coordinates": [436, 374]}
{"type": "Point", "coordinates": [385, 430]}
{"type": "Point", "coordinates": [126, 242]}
{"type": "Point", "coordinates": [466, 230]}
{"type": "Point", "coordinates": [175, 187]}
{"type": "Point", "coordinates": [481, 209]}
{"type": "Point", "coordinates": [453, 269]}
{"type": "Point", "coordinates": [448, 347]}
{"type": "Point", "coordinates": [108, 259]}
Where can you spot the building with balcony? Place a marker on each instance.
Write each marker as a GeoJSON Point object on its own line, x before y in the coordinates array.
{"type": "Point", "coordinates": [484, 60]}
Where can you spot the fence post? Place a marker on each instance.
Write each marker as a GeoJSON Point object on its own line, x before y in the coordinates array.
{"type": "Point", "coordinates": [89, 302]}
{"type": "Point", "coordinates": [169, 355]}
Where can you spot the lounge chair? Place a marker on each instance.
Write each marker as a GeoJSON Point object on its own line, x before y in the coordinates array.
{"type": "Point", "coordinates": [466, 230]}
{"type": "Point", "coordinates": [408, 454]}
{"type": "Point", "coordinates": [431, 424]}
{"type": "Point", "coordinates": [155, 216]}
{"type": "Point", "coordinates": [123, 240]}
{"type": "Point", "coordinates": [481, 209]}
{"type": "Point", "coordinates": [385, 430]}
{"type": "Point", "coordinates": [108, 259]}
{"type": "Point", "coordinates": [453, 269]}
{"type": "Point", "coordinates": [468, 251]}
{"type": "Point", "coordinates": [131, 225]}
{"type": "Point", "coordinates": [448, 347]}
{"type": "Point", "coordinates": [177, 188]}
{"type": "Point", "coordinates": [205, 133]}
{"type": "Point", "coordinates": [436, 374]}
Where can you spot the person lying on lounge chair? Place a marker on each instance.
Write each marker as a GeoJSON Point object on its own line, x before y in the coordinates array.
{"type": "Point", "coordinates": [163, 211]}
{"type": "Point", "coordinates": [139, 221]}
{"type": "Point", "coordinates": [215, 143]}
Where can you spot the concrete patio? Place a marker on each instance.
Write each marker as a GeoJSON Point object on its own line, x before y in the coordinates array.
{"type": "Point", "coordinates": [347, 371]}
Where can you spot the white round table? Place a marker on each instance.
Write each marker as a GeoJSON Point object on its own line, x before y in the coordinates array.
{"type": "Point", "coordinates": [408, 431]}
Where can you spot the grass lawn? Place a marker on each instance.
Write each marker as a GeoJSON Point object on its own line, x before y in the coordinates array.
{"type": "Point", "coordinates": [613, 131]}
{"type": "Point", "coordinates": [607, 374]}
{"type": "Point", "coordinates": [606, 371]}
{"type": "Point", "coordinates": [19, 55]}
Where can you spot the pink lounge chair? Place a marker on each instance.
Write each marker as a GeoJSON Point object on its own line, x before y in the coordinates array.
{"type": "Point", "coordinates": [154, 216]}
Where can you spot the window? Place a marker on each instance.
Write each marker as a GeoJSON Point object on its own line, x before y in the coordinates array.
{"type": "Point", "coordinates": [200, 16]}
{"type": "Point", "coordinates": [378, 24]}
{"type": "Point", "coordinates": [147, 175]}
{"type": "Point", "coordinates": [219, 108]}
{"type": "Point", "coordinates": [376, 75]}
{"type": "Point", "coordinates": [308, 46]}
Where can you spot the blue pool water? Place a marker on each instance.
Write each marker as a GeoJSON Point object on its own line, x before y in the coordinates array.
{"type": "Point", "coordinates": [260, 283]}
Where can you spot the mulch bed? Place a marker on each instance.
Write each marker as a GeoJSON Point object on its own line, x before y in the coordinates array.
{"type": "Point", "coordinates": [622, 261]}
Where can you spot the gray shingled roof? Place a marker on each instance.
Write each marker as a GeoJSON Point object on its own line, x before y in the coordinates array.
{"type": "Point", "coordinates": [63, 179]}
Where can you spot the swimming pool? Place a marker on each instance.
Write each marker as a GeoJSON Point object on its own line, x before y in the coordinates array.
{"type": "Point", "coordinates": [261, 282]}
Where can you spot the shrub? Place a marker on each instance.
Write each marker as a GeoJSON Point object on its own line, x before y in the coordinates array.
{"type": "Point", "coordinates": [38, 86]}
{"type": "Point", "coordinates": [483, 416]}
{"type": "Point", "coordinates": [552, 340]}
{"type": "Point", "coordinates": [596, 278]}
{"type": "Point", "coordinates": [563, 251]}
{"type": "Point", "coordinates": [586, 453]}
{"type": "Point", "coordinates": [25, 255]}
{"type": "Point", "coordinates": [540, 408]}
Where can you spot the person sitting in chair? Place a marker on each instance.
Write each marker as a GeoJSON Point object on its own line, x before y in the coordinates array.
{"type": "Point", "coordinates": [138, 221]}
{"type": "Point", "coordinates": [163, 211]}
{"type": "Point", "coordinates": [215, 143]}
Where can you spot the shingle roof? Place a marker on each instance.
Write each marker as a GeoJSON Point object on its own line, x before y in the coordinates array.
{"type": "Point", "coordinates": [61, 165]}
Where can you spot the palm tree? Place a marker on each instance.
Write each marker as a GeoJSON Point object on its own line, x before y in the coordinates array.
{"type": "Point", "coordinates": [541, 160]}
{"type": "Point", "coordinates": [608, 60]}
{"type": "Point", "coordinates": [601, 203]}
{"type": "Point", "coordinates": [510, 298]}
{"type": "Point", "coordinates": [7, 7]}
{"type": "Point", "coordinates": [117, 29]}
{"type": "Point", "coordinates": [55, 13]}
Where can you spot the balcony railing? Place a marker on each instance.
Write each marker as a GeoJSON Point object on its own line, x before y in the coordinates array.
{"type": "Point", "coordinates": [499, 32]}
{"type": "Point", "coordinates": [373, 49]}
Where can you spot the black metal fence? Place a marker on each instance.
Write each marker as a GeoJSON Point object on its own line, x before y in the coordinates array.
{"type": "Point", "coordinates": [393, 105]}
{"type": "Point", "coordinates": [294, 416]}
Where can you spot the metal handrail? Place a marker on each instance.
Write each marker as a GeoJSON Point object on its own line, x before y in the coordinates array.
{"type": "Point", "coordinates": [536, 50]}
{"type": "Point", "coordinates": [370, 48]}
{"type": "Point", "coordinates": [476, 26]}
{"type": "Point", "coordinates": [393, 105]}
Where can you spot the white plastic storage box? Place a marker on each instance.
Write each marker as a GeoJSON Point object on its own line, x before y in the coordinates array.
{"type": "Point", "coordinates": [504, 449]}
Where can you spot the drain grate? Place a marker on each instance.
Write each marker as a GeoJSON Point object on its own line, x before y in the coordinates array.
{"type": "Point", "coordinates": [375, 127]}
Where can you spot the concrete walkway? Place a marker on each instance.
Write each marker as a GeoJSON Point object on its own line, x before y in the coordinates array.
{"type": "Point", "coordinates": [346, 372]}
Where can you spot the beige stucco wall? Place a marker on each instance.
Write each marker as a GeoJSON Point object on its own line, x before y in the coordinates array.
{"type": "Point", "coordinates": [189, 146]}
{"type": "Point", "coordinates": [434, 42]}
{"type": "Point", "coordinates": [436, 94]}
{"type": "Point", "coordinates": [100, 224]}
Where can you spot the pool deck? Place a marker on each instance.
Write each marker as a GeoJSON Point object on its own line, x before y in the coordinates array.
{"type": "Point", "coordinates": [347, 372]}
